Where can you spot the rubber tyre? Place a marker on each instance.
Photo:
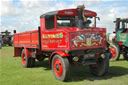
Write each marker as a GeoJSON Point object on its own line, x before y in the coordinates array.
{"type": "Point", "coordinates": [101, 68]}
{"type": "Point", "coordinates": [125, 56]}
{"type": "Point", "coordinates": [27, 62]}
{"type": "Point", "coordinates": [63, 64]}
{"type": "Point", "coordinates": [116, 55]}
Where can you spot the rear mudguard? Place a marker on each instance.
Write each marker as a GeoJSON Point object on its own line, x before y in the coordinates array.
{"type": "Point", "coordinates": [61, 53]}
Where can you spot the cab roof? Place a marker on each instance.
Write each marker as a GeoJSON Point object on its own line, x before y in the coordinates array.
{"type": "Point", "coordinates": [121, 20]}
{"type": "Point", "coordinates": [68, 12]}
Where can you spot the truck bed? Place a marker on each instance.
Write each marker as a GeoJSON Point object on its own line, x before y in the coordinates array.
{"type": "Point", "coordinates": [27, 39]}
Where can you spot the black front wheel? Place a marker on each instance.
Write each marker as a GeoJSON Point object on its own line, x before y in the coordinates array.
{"type": "Point", "coordinates": [60, 67]}
{"type": "Point", "coordinates": [101, 67]}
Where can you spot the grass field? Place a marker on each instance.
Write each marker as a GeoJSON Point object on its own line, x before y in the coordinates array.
{"type": "Point", "coordinates": [12, 73]}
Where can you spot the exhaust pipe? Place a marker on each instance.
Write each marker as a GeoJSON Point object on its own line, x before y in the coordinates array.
{"type": "Point", "coordinates": [80, 22]}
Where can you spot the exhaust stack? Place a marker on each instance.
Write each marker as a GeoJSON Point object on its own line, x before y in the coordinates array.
{"type": "Point", "coordinates": [81, 18]}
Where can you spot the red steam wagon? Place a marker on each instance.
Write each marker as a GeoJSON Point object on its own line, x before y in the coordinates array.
{"type": "Point", "coordinates": [66, 37]}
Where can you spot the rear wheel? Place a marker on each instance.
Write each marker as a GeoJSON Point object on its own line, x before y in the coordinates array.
{"type": "Point", "coordinates": [27, 62]}
{"type": "Point", "coordinates": [60, 67]}
{"type": "Point", "coordinates": [125, 55]}
{"type": "Point", "coordinates": [114, 49]}
{"type": "Point", "coordinates": [101, 67]}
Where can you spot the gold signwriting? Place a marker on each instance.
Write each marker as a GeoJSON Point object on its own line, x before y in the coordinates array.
{"type": "Point", "coordinates": [52, 36]}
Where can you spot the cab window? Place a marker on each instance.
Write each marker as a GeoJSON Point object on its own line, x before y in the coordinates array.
{"type": "Point", "coordinates": [50, 22]}
{"type": "Point", "coordinates": [65, 21]}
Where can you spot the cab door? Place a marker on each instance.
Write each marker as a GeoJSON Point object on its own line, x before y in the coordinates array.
{"type": "Point", "coordinates": [47, 33]}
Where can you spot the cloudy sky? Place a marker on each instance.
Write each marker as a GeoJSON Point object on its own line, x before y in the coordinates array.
{"type": "Point", "coordinates": [23, 15]}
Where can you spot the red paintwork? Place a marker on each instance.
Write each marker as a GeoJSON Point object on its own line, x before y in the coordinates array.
{"type": "Point", "coordinates": [58, 71]}
{"type": "Point", "coordinates": [17, 52]}
{"type": "Point", "coordinates": [61, 39]}
{"type": "Point", "coordinates": [113, 51]}
{"type": "Point", "coordinates": [26, 39]}
{"type": "Point", "coordinates": [61, 53]}
{"type": "Point", "coordinates": [127, 31]}
{"type": "Point", "coordinates": [68, 35]}
{"type": "Point", "coordinates": [73, 12]}
{"type": "Point", "coordinates": [120, 43]}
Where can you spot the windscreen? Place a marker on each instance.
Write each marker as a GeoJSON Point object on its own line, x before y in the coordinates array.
{"type": "Point", "coordinates": [72, 21]}
{"type": "Point", "coordinates": [65, 21]}
{"type": "Point", "coordinates": [124, 25]}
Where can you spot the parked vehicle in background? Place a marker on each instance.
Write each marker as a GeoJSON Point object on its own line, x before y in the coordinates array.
{"type": "Point", "coordinates": [120, 39]}
{"type": "Point", "coordinates": [7, 38]}
{"type": "Point", "coordinates": [66, 37]}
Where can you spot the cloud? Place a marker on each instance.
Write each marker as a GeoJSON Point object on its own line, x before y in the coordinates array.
{"type": "Point", "coordinates": [26, 13]}
{"type": "Point", "coordinates": [87, 3]}
{"type": "Point", "coordinates": [22, 19]}
{"type": "Point", "coordinates": [30, 4]}
{"type": "Point", "coordinates": [109, 14]}
{"type": "Point", "coordinates": [8, 9]}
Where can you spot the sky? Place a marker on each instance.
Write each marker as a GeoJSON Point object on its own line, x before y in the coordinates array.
{"type": "Point", "coordinates": [24, 15]}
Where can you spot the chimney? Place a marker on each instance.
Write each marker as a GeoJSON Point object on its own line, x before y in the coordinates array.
{"type": "Point", "coordinates": [80, 10]}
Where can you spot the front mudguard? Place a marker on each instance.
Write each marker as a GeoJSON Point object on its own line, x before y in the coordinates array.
{"type": "Point", "coordinates": [61, 53]}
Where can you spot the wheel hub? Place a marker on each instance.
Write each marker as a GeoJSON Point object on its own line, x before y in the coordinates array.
{"type": "Point", "coordinates": [24, 58]}
{"type": "Point", "coordinates": [58, 68]}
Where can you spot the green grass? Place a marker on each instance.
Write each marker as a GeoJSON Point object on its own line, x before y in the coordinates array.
{"type": "Point", "coordinates": [12, 73]}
